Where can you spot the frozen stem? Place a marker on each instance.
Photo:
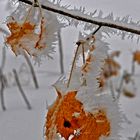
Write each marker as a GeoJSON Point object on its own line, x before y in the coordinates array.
{"type": "Point", "coordinates": [3, 58]}
{"type": "Point", "coordinates": [21, 90]}
{"type": "Point", "coordinates": [61, 52]}
{"type": "Point", "coordinates": [3, 79]}
{"type": "Point", "coordinates": [83, 53]}
{"type": "Point", "coordinates": [32, 70]}
{"type": "Point", "coordinates": [2, 90]}
{"type": "Point", "coordinates": [111, 83]}
{"type": "Point", "coordinates": [133, 68]}
{"type": "Point", "coordinates": [73, 64]}
{"type": "Point", "coordinates": [120, 86]}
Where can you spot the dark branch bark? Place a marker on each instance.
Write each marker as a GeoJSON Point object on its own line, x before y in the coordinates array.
{"type": "Point", "coordinates": [21, 90]}
{"type": "Point", "coordinates": [92, 21]}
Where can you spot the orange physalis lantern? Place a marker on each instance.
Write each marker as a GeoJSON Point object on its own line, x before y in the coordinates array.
{"type": "Point", "coordinates": [68, 116]}
{"type": "Point", "coordinates": [81, 111]}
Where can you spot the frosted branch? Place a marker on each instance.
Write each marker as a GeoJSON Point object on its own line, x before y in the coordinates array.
{"type": "Point", "coordinates": [21, 90]}
{"type": "Point", "coordinates": [32, 70]}
{"type": "Point", "coordinates": [89, 19]}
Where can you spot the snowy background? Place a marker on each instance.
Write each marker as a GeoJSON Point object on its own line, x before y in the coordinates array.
{"type": "Point", "coordinates": [18, 123]}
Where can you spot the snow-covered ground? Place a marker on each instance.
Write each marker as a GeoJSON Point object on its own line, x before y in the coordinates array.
{"type": "Point", "coordinates": [18, 123]}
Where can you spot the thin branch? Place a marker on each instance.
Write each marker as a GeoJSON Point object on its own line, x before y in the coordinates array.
{"type": "Point", "coordinates": [3, 79]}
{"type": "Point", "coordinates": [84, 18]}
{"type": "Point", "coordinates": [73, 64]}
{"type": "Point", "coordinates": [96, 30]}
{"type": "Point", "coordinates": [83, 53]}
{"type": "Point", "coordinates": [120, 87]}
{"type": "Point", "coordinates": [2, 90]}
{"type": "Point", "coordinates": [111, 83]}
{"type": "Point", "coordinates": [21, 90]}
{"type": "Point", "coordinates": [3, 58]}
{"type": "Point", "coordinates": [2, 96]}
{"type": "Point", "coordinates": [133, 67]}
{"type": "Point", "coordinates": [32, 70]}
{"type": "Point", "coordinates": [61, 52]}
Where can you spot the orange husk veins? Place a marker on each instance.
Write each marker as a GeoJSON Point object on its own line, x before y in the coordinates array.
{"type": "Point", "coordinates": [21, 32]}
{"type": "Point", "coordinates": [91, 125]}
{"type": "Point", "coordinates": [18, 31]}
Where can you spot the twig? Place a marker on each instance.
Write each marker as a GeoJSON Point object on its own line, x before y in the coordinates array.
{"type": "Point", "coordinates": [21, 90]}
{"type": "Point", "coordinates": [2, 90]}
{"type": "Point", "coordinates": [73, 63]}
{"type": "Point", "coordinates": [111, 83]}
{"type": "Point", "coordinates": [133, 68]}
{"type": "Point", "coordinates": [32, 70]}
{"type": "Point", "coordinates": [61, 52]}
{"type": "Point", "coordinates": [96, 30]}
{"type": "Point", "coordinates": [2, 97]}
{"type": "Point", "coordinates": [3, 58]}
{"type": "Point", "coordinates": [3, 61]}
{"type": "Point", "coordinates": [89, 20]}
{"type": "Point", "coordinates": [3, 78]}
{"type": "Point", "coordinates": [84, 62]}
{"type": "Point", "coordinates": [120, 86]}
{"type": "Point", "coordinates": [83, 53]}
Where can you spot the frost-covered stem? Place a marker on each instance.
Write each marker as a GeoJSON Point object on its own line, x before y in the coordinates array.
{"type": "Point", "coordinates": [3, 58]}
{"type": "Point", "coordinates": [73, 64]}
{"type": "Point", "coordinates": [86, 19]}
{"type": "Point", "coordinates": [83, 53]}
{"type": "Point", "coordinates": [112, 90]}
{"type": "Point", "coordinates": [2, 78]}
{"type": "Point", "coordinates": [133, 68]}
{"type": "Point", "coordinates": [21, 90]}
{"type": "Point", "coordinates": [2, 96]}
{"type": "Point", "coordinates": [61, 52]}
{"type": "Point", "coordinates": [2, 90]}
{"type": "Point", "coordinates": [111, 83]}
{"type": "Point", "coordinates": [32, 70]}
{"type": "Point", "coordinates": [120, 86]}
